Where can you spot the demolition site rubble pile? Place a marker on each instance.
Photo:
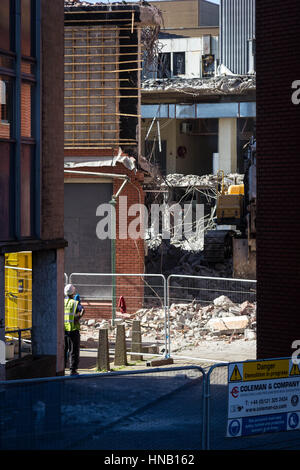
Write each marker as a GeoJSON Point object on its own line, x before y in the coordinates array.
{"type": "Point", "coordinates": [190, 324]}
{"type": "Point", "coordinates": [219, 85]}
{"type": "Point", "coordinates": [203, 181]}
{"type": "Point", "coordinates": [166, 258]}
{"type": "Point", "coordinates": [186, 255]}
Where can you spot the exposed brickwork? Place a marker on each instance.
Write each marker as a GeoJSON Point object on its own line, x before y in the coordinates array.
{"type": "Point", "coordinates": [278, 178]}
{"type": "Point", "coordinates": [97, 310]}
{"type": "Point", "coordinates": [26, 110]}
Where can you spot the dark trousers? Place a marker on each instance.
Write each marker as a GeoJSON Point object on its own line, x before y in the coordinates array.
{"type": "Point", "coordinates": [72, 349]}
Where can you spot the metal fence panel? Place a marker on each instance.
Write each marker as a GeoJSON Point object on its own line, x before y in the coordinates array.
{"type": "Point", "coordinates": [141, 293]}
{"type": "Point", "coordinates": [186, 294]}
{"type": "Point", "coordinates": [90, 411]}
{"type": "Point", "coordinates": [216, 424]}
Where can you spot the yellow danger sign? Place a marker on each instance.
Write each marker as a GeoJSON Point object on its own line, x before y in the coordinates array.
{"type": "Point", "coordinates": [236, 376]}
{"type": "Point", "coordinates": [264, 370]}
{"type": "Point", "coordinates": [295, 370]}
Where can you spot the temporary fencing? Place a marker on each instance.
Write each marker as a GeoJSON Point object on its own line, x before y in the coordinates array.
{"type": "Point", "coordinates": [165, 306]}
{"type": "Point", "coordinates": [111, 295]}
{"type": "Point", "coordinates": [88, 411]}
{"type": "Point", "coordinates": [163, 408]}
{"type": "Point", "coordinates": [217, 407]}
{"type": "Point", "coordinates": [188, 294]}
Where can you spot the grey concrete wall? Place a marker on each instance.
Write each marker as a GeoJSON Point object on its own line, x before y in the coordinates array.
{"type": "Point", "coordinates": [47, 324]}
{"type": "Point", "coordinates": [60, 366]}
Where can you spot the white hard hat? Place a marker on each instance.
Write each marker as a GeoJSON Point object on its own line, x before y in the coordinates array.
{"type": "Point", "coordinates": [69, 289]}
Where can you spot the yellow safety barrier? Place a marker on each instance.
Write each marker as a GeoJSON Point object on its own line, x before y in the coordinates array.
{"type": "Point", "coordinates": [18, 290]}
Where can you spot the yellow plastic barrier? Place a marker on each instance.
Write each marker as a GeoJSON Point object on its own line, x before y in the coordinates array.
{"type": "Point", "coordinates": [18, 290]}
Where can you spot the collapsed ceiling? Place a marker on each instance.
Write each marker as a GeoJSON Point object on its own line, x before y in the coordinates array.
{"type": "Point", "coordinates": [219, 85]}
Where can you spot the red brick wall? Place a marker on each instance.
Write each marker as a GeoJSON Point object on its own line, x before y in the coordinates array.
{"type": "Point", "coordinates": [25, 109]}
{"type": "Point", "coordinates": [129, 253]}
{"type": "Point", "coordinates": [278, 178]}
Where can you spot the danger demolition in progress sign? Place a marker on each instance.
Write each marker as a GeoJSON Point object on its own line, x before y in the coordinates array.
{"type": "Point", "coordinates": [263, 397]}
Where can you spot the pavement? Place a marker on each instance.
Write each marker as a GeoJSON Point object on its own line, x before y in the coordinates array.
{"type": "Point", "coordinates": [205, 355]}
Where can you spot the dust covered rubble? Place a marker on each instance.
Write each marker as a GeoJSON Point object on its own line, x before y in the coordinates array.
{"type": "Point", "coordinates": [190, 323]}
{"type": "Point", "coordinates": [205, 181]}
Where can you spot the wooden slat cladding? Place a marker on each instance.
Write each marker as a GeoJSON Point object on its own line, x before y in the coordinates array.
{"type": "Point", "coordinates": [91, 86]}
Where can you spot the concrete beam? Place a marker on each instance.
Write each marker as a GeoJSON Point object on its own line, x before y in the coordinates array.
{"type": "Point", "coordinates": [228, 145]}
{"type": "Point", "coordinates": [47, 305]}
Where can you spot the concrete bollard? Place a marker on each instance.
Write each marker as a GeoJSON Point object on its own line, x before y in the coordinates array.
{"type": "Point", "coordinates": [103, 350]}
{"type": "Point", "coordinates": [136, 341]}
{"type": "Point", "coordinates": [120, 347]}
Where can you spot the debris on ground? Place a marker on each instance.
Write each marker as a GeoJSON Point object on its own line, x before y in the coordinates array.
{"type": "Point", "coordinates": [190, 323]}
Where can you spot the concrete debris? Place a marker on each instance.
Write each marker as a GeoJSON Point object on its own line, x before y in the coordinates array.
{"type": "Point", "coordinates": [219, 85]}
{"type": "Point", "coordinates": [190, 324]}
{"type": "Point", "coordinates": [193, 322]}
{"type": "Point", "coordinates": [224, 302]}
{"type": "Point", "coordinates": [98, 162]}
{"type": "Point", "coordinates": [205, 181]}
{"type": "Point", "coordinates": [168, 257]}
{"type": "Point", "coordinates": [228, 325]}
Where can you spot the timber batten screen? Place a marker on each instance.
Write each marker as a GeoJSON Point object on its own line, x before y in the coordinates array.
{"type": "Point", "coordinates": [93, 77]}
{"type": "Point", "coordinates": [90, 54]}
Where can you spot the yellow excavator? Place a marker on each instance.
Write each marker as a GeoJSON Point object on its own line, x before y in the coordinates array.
{"type": "Point", "coordinates": [236, 208]}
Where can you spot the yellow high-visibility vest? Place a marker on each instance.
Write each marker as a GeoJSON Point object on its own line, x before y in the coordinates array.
{"type": "Point", "coordinates": [70, 311]}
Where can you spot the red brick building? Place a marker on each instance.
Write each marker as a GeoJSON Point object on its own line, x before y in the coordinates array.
{"type": "Point", "coordinates": [31, 173]}
{"type": "Point", "coordinates": [278, 178]}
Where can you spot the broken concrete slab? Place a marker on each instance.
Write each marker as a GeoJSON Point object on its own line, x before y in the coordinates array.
{"type": "Point", "coordinates": [223, 302]}
{"type": "Point", "coordinates": [228, 325]}
{"type": "Point", "coordinates": [160, 362]}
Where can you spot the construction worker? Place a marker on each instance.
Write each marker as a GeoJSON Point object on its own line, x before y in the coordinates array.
{"type": "Point", "coordinates": [73, 312]}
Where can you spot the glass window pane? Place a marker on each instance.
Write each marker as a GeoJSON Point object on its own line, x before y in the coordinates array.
{"type": "Point", "coordinates": [26, 190]}
{"type": "Point", "coordinates": [5, 25]}
{"type": "Point", "coordinates": [5, 191]}
{"type": "Point", "coordinates": [26, 89]}
{"type": "Point", "coordinates": [164, 65]}
{"type": "Point", "coordinates": [5, 107]}
{"type": "Point", "coordinates": [26, 27]}
{"type": "Point", "coordinates": [179, 63]}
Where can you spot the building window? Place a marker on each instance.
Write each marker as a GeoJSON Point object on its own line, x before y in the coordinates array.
{"type": "Point", "coordinates": [179, 63]}
{"type": "Point", "coordinates": [164, 65]}
{"type": "Point", "coordinates": [19, 126]}
{"type": "Point", "coordinates": [208, 65]}
{"type": "Point", "coordinates": [5, 107]}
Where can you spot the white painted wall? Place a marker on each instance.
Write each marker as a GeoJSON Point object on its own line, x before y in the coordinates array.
{"type": "Point", "coordinates": [193, 47]}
